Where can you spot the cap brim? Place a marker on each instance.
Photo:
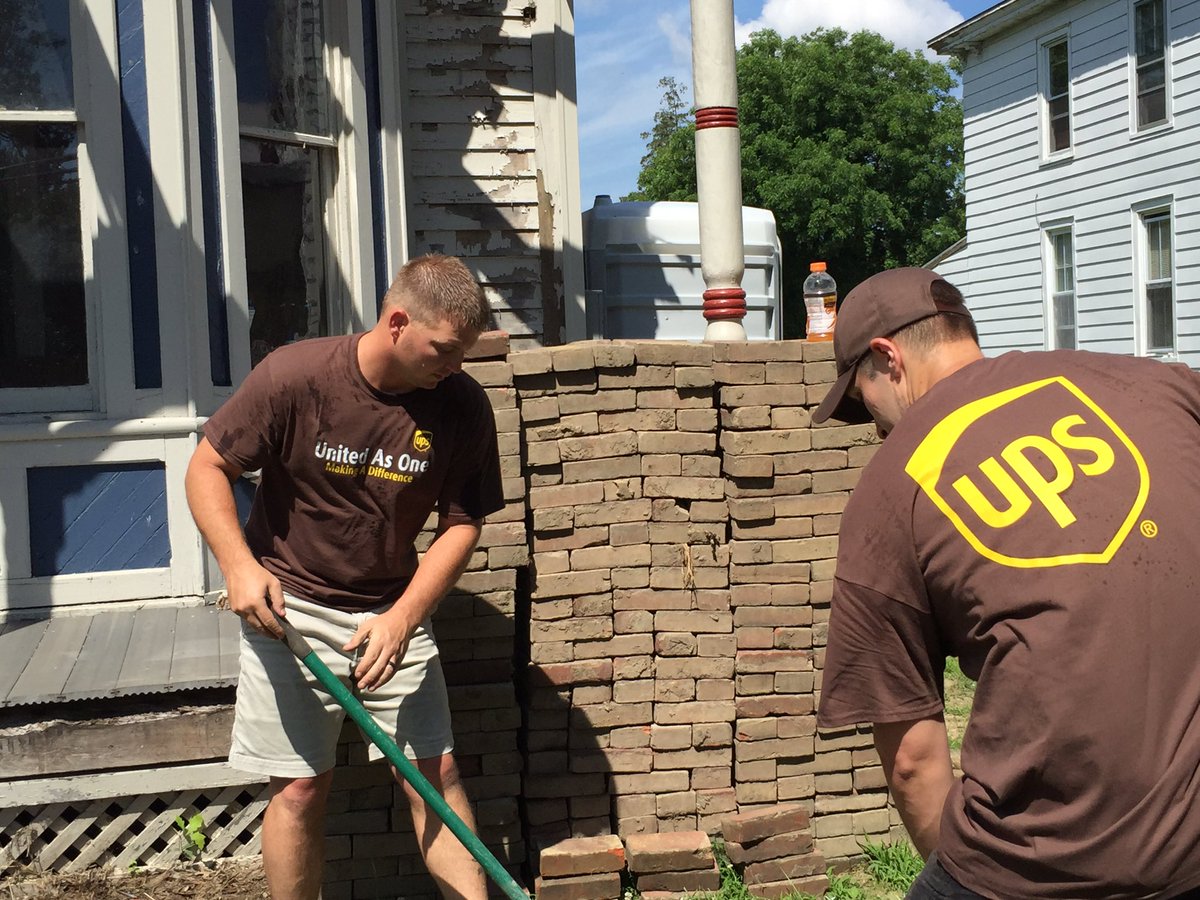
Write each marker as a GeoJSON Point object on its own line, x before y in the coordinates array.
{"type": "Point", "coordinates": [838, 405]}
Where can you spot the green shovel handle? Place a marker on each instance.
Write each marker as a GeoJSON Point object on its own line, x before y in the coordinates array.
{"type": "Point", "coordinates": [305, 653]}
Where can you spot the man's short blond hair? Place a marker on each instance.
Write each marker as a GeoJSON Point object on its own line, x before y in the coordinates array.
{"type": "Point", "coordinates": [436, 288]}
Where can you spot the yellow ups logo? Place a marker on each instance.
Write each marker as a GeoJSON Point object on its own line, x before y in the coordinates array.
{"type": "Point", "coordinates": [1034, 476]}
{"type": "Point", "coordinates": [422, 440]}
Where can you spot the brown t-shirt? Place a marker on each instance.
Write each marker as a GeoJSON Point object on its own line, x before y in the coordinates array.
{"type": "Point", "coordinates": [350, 474]}
{"type": "Point", "coordinates": [1038, 516]}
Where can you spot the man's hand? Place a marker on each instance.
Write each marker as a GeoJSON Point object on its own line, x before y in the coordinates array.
{"type": "Point", "coordinates": [384, 639]}
{"type": "Point", "coordinates": [256, 595]}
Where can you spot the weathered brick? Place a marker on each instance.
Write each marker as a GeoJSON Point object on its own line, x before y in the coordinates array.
{"type": "Point", "coordinates": [764, 395]}
{"type": "Point", "coordinates": [571, 583]}
{"type": "Point", "coordinates": [810, 461]}
{"type": "Point", "coordinates": [774, 846]}
{"type": "Point", "coordinates": [745, 443]}
{"type": "Point", "coordinates": [696, 419]}
{"type": "Point", "coordinates": [582, 856]}
{"type": "Point", "coordinates": [673, 353]}
{"type": "Point", "coordinates": [693, 621]}
{"type": "Point", "coordinates": [740, 373]}
{"type": "Point", "coordinates": [674, 852]}
{"type": "Point", "coordinates": [565, 495]}
{"type": "Point", "coordinates": [754, 825]}
{"type": "Point", "coordinates": [745, 418]}
{"type": "Point", "coordinates": [674, 398]}
{"type": "Point", "coordinates": [708, 879]}
{"type": "Point", "coordinates": [530, 362]}
{"type": "Point", "coordinates": [689, 713]}
{"type": "Point", "coordinates": [651, 442]}
{"type": "Point", "coordinates": [599, 671]}
{"type": "Point", "coordinates": [567, 427]}
{"type": "Point", "coordinates": [816, 885]}
{"type": "Point", "coordinates": [758, 351]}
{"type": "Point", "coordinates": [579, 536]}
{"type": "Point", "coordinates": [598, 446]}
{"type": "Point", "coordinates": [601, 401]}
{"type": "Point", "coordinates": [603, 886]}
{"type": "Point", "coordinates": [687, 488]}
{"type": "Point", "coordinates": [691, 376]}
{"type": "Point", "coordinates": [612, 355]}
{"type": "Point", "coordinates": [590, 514]}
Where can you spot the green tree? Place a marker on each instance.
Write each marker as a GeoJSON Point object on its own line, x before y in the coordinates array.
{"type": "Point", "coordinates": [854, 145]}
{"type": "Point", "coordinates": [670, 149]}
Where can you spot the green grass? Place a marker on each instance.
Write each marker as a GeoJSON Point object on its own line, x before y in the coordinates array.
{"type": "Point", "coordinates": [886, 874]}
{"type": "Point", "coordinates": [960, 695]}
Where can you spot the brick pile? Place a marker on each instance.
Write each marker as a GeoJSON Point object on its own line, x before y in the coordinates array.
{"type": "Point", "coordinates": [630, 616]}
{"type": "Point", "coordinates": [670, 865]}
{"type": "Point", "coordinates": [788, 483]}
{"type": "Point", "coordinates": [772, 849]}
{"type": "Point", "coordinates": [581, 869]}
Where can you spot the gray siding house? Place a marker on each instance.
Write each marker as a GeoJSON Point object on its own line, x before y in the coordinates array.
{"type": "Point", "coordinates": [1082, 143]}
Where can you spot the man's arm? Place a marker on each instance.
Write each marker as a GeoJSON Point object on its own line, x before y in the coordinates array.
{"type": "Point", "coordinates": [388, 634]}
{"type": "Point", "coordinates": [253, 591]}
{"type": "Point", "coordinates": [916, 763]}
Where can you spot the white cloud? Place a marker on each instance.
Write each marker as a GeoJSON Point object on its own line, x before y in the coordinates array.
{"type": "Point", "coordinates": [908, 24]}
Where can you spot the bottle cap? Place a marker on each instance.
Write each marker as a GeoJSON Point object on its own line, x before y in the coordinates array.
{"type": "Point", "coordinates": [816, 267]}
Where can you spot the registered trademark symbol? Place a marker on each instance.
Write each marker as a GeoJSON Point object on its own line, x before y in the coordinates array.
{"type": "Point", "coordinates": [1149, 529]}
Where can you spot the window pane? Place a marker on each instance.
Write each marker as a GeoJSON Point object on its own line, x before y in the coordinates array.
{"type": "Point", "coordinates": [1152, 106]}
{"type": "Point", "coordinates": [1158, 249]}
{"type": "Point", "coordinates": [1064, 274]}
{"type": "Point", "coordinates": [279, 50]}
{"type": "Point", "coordinates": [35, 55]}
{"type": "Point", "coordinates": [1148, 29]}
{"type": "Point", "coordinates": [1060, 129]}
{"type": "Point", "coordinates": [285, 251]}
{"type": "Point", "coordinates": [43, 322]}
{"type": "Point", "coordinates": [1060, 76]}
{"type": "Point", "coordinates": [1064, 337]}
{"type": "Point", "coordinates": [1161, 326]}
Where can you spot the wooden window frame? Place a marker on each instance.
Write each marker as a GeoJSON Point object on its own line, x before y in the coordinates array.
{"type": "Point", "coordinates": [1052, 265]}
{"type": "Point", "coordinates": [1045, 121]}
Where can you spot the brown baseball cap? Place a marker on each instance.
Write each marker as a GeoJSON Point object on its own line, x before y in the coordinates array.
{"type": "Point", "coordinates": [879, 307]}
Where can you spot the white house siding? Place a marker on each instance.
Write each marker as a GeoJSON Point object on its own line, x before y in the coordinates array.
{"type": "Point", "coordinates": [1012, 194]}
{"type": "Point", "coordinates": [484, 182]}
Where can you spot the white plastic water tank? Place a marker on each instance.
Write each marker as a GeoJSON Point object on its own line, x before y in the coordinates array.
{"type": "Point", "coordinates": [643, 278]}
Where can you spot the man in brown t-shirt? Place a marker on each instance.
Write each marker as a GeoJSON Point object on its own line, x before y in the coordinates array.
{"type": "Point", "coordinates": [358, 439]}
{"type": "Point", "coordinates": [1034, 516]}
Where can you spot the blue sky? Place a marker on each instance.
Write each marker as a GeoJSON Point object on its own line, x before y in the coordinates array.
{"type": "Point", "coordinates": [623, 47]}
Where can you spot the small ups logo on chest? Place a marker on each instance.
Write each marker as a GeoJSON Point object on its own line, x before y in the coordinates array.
{"type": "Point", "coordinates": [422, 440]}
{"type": "Point", "coordinates": [1034, 476]}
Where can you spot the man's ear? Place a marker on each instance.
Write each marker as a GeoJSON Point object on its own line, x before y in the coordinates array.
{"type": "Point", "coordinates": [398, 320]}
{"type": "Point", "coordinates": [892, 355]}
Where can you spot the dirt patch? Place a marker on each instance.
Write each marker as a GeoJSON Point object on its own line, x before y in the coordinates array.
{"type": "Point", "coordinates": [231, 880]}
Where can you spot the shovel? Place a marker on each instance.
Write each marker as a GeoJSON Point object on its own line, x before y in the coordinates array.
{"type": "Point", "coordinates": [305, 653]}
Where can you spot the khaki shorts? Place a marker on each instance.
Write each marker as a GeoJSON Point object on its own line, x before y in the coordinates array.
{"type": "Point", "coordinates": [287, 725]}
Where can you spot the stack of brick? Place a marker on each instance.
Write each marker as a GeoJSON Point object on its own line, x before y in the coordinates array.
{"type": "Point", "coordinates": [771, 848]}
{"type": "Point", "coordinates": [788, 483]}
{"type": "Point", "coordinates": [581, 869]}
{"type": "Point", "coordinates": [670, 865]}
{"type": "Point", "coordinates": [851, 797]}
{"type": "Point", "coordinates": [630, 618]}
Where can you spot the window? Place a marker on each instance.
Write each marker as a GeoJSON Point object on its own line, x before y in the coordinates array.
{"type": "Point", "coordinates": [43, 313]}
{"type": "Point", "coordinates": [288, 155]}
{"type": "Point", "coordinates": [1149, 38]}
{"type": "Point", "coordinates": [1056, 89]}
{"type": "Point", "coordinates": [1157, 283]}
{"type": "Point", "coordinates": [1061, 324]}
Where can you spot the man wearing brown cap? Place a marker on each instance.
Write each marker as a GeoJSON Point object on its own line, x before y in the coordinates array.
{"type": "Point", "coordinates": [1032, 515]}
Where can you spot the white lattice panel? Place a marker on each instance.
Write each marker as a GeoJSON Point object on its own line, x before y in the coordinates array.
{"type": "Point", "coordinates": [131, 830]}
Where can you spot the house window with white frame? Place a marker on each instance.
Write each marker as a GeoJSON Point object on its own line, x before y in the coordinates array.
{"type": "Point", "coordinates": [1057, 93]}
{"type": "Point", "coordinates": [1158, 282]}
{"type": "Point", "coordinates": [1063, 330]}
{"type": "Point", "coordinates": [1150, 41]}
{"type": "Point", "coordinates": [288, 156]}
{"type": "Point", "coordinates": [43, 310]}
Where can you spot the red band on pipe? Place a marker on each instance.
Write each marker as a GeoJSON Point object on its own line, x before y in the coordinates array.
{"type": "Point", "coordinates": [716, 117]}
{"type": "Point", "coordinates": [724, 303]}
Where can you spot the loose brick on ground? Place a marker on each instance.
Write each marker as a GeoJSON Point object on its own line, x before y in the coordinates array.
{"type": "Point", "coordinates": [604, 886]}
{"type": "Point", "coordinates": [670, 852]}
{"type": "Point", "coordinates": [757, 824]}
{"type": "Point", "coordinates": [707, 879]}
{"type": "Point", "coordinates": [583, 856]}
